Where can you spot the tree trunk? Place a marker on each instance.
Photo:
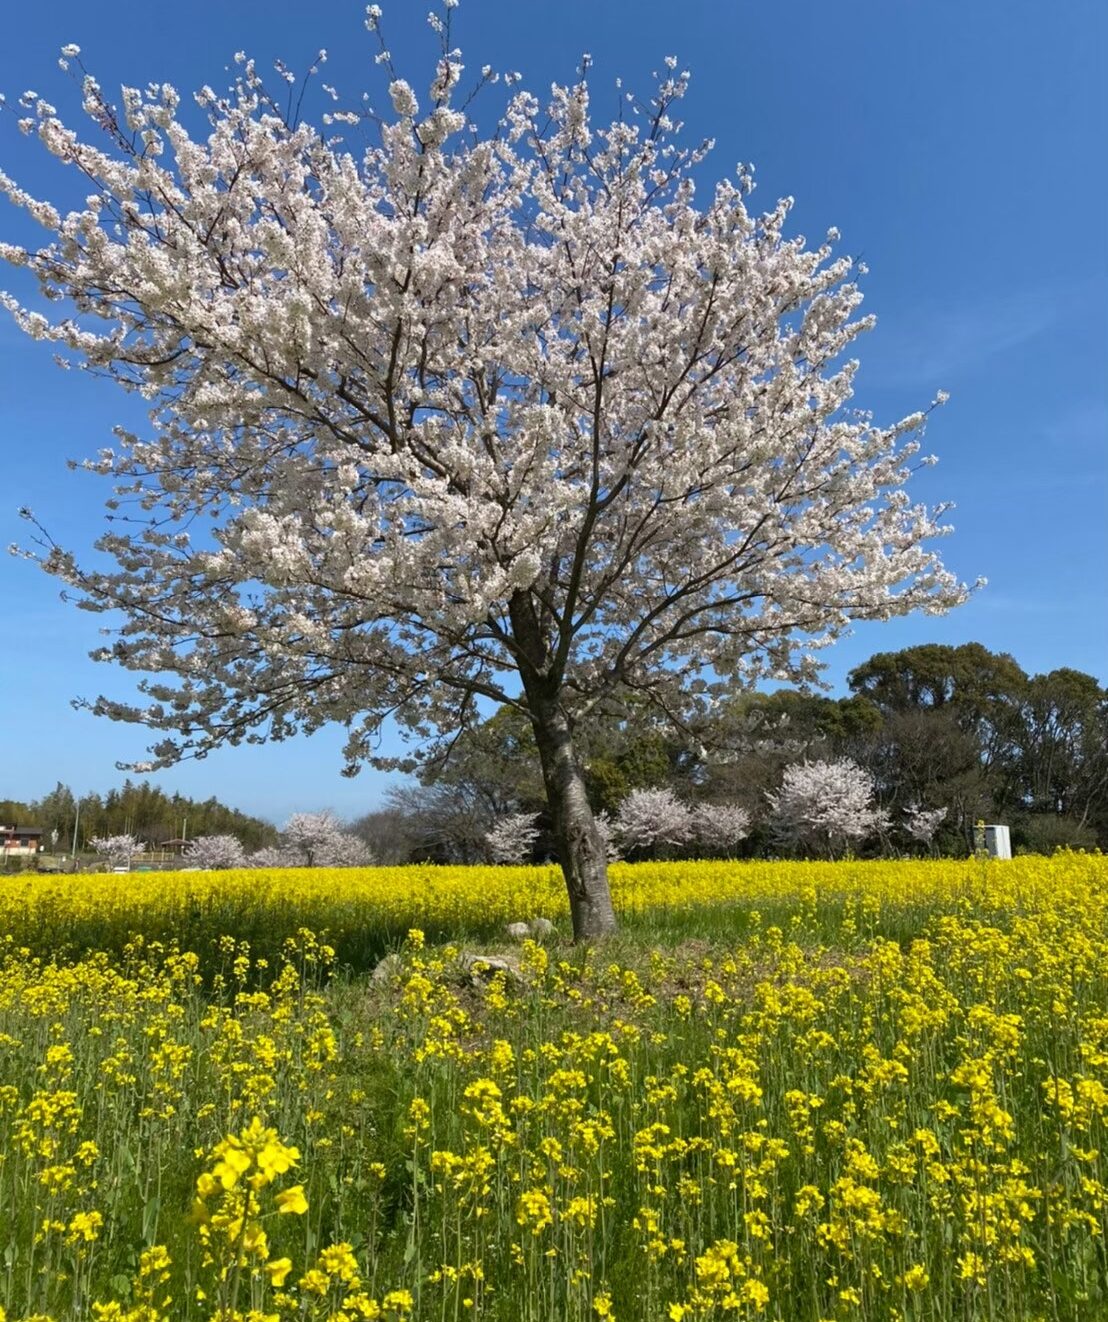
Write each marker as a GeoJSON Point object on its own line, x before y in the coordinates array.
{"type": "Point", "coordinates": [581, 850]}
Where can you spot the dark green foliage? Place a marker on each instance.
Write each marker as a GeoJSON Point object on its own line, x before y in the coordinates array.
{"type": "Point", "coordinates": [938, 726]}
{"type": "Point", "coordinates": [142, 810]}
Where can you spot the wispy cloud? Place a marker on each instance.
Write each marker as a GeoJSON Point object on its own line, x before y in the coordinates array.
{"type": "Point", "coordinates": [934, 346]}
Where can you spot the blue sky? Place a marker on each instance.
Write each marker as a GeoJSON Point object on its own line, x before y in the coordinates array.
{"type": "Point", "coordinates": [960, 148]}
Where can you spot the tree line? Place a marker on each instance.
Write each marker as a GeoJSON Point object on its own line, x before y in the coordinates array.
{"type": "Point", "coordinates": [958, 731]}
{"type": "Point", "coordinates": [141, 810]}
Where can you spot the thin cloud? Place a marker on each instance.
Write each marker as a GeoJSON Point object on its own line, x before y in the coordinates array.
{"type": "Point", "coordinates": [934, 347]}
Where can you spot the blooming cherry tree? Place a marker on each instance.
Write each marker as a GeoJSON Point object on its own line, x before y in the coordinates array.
{"type": "Point", "coordinates": [822, 807]}
{"type": "Point", "coordinates": [274, 856]}
{"type": "Point", "coordinates": [117, 850]}
{"type": "Point", "coordinates": [922, 823]}
{"type": "Point", "coordinates": [318, 839]}
{"type": "Point", "coordinates": [513, 838]}
{"type": "Point", "coordinates": [519, 415]}
{"type": "Point", "coordinates": [215, 852]}
{"type": "Point", "coordinates": [651, 818]}
{"type": "Point", "coordinates": [718, 827]}
{"type": "Point", "coordinates": [605, 830]}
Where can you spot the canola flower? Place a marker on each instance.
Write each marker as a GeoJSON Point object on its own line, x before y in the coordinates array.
{"type": "Point", "coordinates": [367, 911]}
{"type": "Point", "coordinates": [811, 1120]}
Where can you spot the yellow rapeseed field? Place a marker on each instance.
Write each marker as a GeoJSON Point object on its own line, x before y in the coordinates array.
{"type": "Point", "coordinates": [805, 1092]}
{"type": "Point", "coordinates": [368, 910]}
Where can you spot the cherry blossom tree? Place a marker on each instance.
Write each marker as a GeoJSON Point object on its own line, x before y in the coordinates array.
{"type": "Point", "coordinates": [649, 819]}
{"type": "Point", "coordinates": [605, 830]}
{"type": "Point", "coordinates": [718, 827]}
{"type": "Point", "coordinates": [513, 837]}
{"type": "Point", "coordinates": [215, 853]}
{"type": "Point", "coordinates": [922, 823]}
{"type": "Point", "coordinates": [318, 839]}
{"type": "Point", "coordinates": [519, 415]}
{"type": "Point", "coordinates": [274, 856]}
{"type": "Point", "coordinates": [822, 807]}
{"type": "Point", "coordinates": [117, 850]}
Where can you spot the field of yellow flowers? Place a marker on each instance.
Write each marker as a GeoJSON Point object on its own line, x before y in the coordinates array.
{"type": "Point", "coordinates": [793, 1091]}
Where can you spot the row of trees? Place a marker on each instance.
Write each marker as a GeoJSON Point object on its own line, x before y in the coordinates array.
{"type": "Point", "coordinates": [141, 811]}
{"type": "Point", "coordinates": [307, 839]}
{"type": "Point", "coordinates": [821, 809]}
{"type": "Point", "coordinates": [941, 735]}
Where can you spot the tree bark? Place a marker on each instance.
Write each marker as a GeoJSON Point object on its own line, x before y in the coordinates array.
{"type": "Point", "coordinates": [581, 850]}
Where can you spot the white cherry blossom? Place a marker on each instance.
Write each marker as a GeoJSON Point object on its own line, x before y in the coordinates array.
{"type": "Point", "coordinates": [512, 838]}
{"type": "Point", "coordinates": [823, 807]}
{"type": "Point", "coordinates": [650, 818]}
{"type": "Point", "coordinates": [117, 850]}
{"type": "Point", "coordinates": [214, 853]}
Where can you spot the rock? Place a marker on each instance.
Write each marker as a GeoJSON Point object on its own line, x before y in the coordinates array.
{"type": "Point", "coordinates": [386, 969]}
{"type": "Point", "coordinates": [518, 931]}
{"type": "Point", "coordinates": [482, 968]}
{"type": "Point", "coordinates": [542, 929]}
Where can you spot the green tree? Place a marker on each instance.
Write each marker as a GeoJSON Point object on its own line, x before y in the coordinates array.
{"type": "Point", "coordinates": [1064, 761]}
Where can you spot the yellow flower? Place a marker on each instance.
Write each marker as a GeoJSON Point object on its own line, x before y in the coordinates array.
{"type": "Point", "coordinates": [315, 1282]}
{"type": "Point", "coordinates": [83, 1226]}
{"type": "Point", "coordinates": [292, 1201]}
{"type": "Point", "coordinates": [397, 1301]}
{"type": "Point", "coordinates": [233, 1163]}
{"type": "Point", "coordinates": [277, 1270]}
{"type": "Point", "coordinates": [207, 1185]}
{"type": "Point", "coordinates": [339, 1260]}
{"type": "Point", "coordinates": [915, 1278]}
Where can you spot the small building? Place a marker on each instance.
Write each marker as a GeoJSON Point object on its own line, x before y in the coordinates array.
{"type": "Point", "coordinates": [20, 841]}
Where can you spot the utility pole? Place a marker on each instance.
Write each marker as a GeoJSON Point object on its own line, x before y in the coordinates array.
{"type": "Point", "coordinates": [76, 819]}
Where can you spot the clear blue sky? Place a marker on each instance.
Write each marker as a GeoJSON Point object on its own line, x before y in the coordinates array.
{"type": "Point", "coordinates": [959, 147]}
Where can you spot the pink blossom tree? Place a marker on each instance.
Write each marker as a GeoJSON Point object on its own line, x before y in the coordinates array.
{"type": "Point", "coordinates": [513, 837]}
{"type": "Point", "coordinates": [922, 823]}
{"type": "Point", "coordinates": [517, 415]}
{"type": "Point", "coordinates": [718, 827]}
{"type": "Point", "coordinates": [652, 819]}
{"type": "Point", "coordinates": [319, 839]}
{"type": "Point", "coordinates": [274, 856]}
{"type": "Point", "coordinates": [823, 807]}
{"type": "Point", "coordinates": [215, 853]}
{"type": "Point", "coordinates": [117, 850]}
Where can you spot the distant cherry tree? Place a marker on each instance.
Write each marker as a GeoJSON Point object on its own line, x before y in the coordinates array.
{"type": "Point", "coordinates": [516, 416]}
{"type": "Point", "coordinates": [319, 839]}
{"type": "Point", "coordinates": [274, 856]}
{"type": "Point", "coordinates": [214, 853]}
{"type": "Point", "coordinates": [117, 850]}
{"type": "Point", "coordinates": [512, 838]}
{"type": "Point", "coordinates": [824, 807]}
{"type": "Point", "coordinates": [345, 850]}
{"type": "Point", "coordinates": [717, 828]}
{"type": "Point", "coordinates": [652, 819]}
{"type": "Point", "coordinates": [922, 823]}
{"type": "Point", "coordinates": [606, 833]}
